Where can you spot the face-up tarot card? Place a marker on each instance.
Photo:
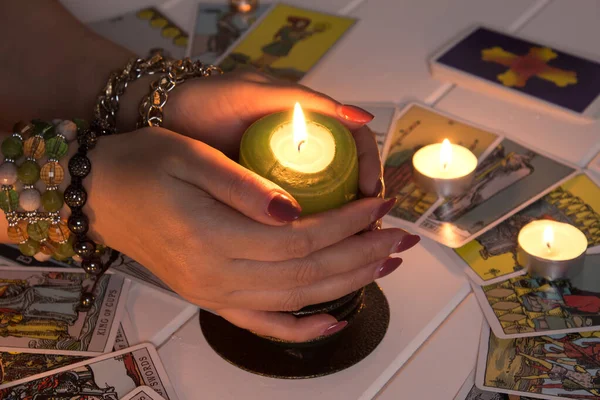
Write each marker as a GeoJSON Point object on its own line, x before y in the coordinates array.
{"type": "Point", "coordinates": [492, 257]}
{"type": "Point", "coordinates": [509, 177]}
{"type": "Point", "coordinates": [15, 366]}
{"type": "Point", "coordinates": [469, 391]}
{"type": "Point", "coordinates": [110, 376]}
{"type": "Point", "coordinates": [217, 27]}
{"type": "Point", "coordinates": [526, 306]}
{"type": "Point", "coordinates": [286, 42]}
{"type": "Point", "coordinates": [126, 334]}
{"type": "Point", "coordinates": [381, 124]}
{"type": "Point", "coordinates": [531, 73]}
{"type": "Point", "coordinates": [38, 311]}
{"type": "Point", "coordinates": [143, 393]}
{"type": "Point", "coordinates": [144, 30]}
{"type": "Point", "coordinates": [564, 366]}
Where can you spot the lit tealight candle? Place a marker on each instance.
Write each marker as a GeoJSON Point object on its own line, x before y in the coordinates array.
{"type": "Point", "coordinates": [444, 168]}
{"type": "Point", "coordinates": [551, 250]}
{"type": "Point", "coordinates": [312, 157]}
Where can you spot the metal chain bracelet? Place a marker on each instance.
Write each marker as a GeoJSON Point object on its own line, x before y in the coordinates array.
{"type": "Point", "coordinates": [151, 107]}
{"type": "Point", "coordinates": [107, 103]}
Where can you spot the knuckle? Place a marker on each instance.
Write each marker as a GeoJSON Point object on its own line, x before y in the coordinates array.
{"type": "Point", "coordinates": [238, 188]}
{"type": "Point", "coordinates": [308, 271]}
{"type": "Point", "coordinates": [372, 251]}
{"type": "Point", "coordinates": [299, 244]}
{"type": "Point", "coordinates": [294, 300]}
{"type": "Point", "coordinates": [356, 283]}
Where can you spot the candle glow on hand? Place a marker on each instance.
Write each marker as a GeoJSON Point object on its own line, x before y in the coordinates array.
{"type": "Point", "coordinates": [446, 154]}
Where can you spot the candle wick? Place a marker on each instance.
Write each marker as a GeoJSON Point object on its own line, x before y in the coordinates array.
{"type": "Point", "coordinates": [548, 245]}
{"type": "Point", "coordinates": [445, 166]}
{"type": "Point", "coordinates": [300, 145]}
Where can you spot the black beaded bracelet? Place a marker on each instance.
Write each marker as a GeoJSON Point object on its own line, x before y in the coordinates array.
{"type": "Point", "coordinates": [76, 197]}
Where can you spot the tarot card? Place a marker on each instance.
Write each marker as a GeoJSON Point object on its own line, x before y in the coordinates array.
{"type": "Point", "coordinates": [15, 366]}
{"type": "Point", "coordinates": [286, 42]}
{"type": "Point", "coordinates": [381, 124]}
{"type": "Point", "coordinates": [471, 392]}
{"type": "Point", "coordinates": [564, 366]}
{"type": "Point", "coordinates": [415, 127]}
{"type": "Point", "coordinates": [531, 73]}
{"type": "Point", "coordinates": [217, 27]}
{"type": "Point", "coordinates": [144, 30]}
{"type": "Point", "coordinates": [126, 334]}
{"type": "Point", "coordinates": [143, 393]}
{"type": "Point", "coordinates": [110, 376]}
{"type": "Point", "coordinates": [507, 180]}
{"type": "Point", "coordinates": [492, 257]}
{"type": "Point", "coordinates": [526, 306]}
{"type": "Point", "coordinates": [38, 311]}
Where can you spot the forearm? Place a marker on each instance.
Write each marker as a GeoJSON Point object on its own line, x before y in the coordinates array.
{"type": "Point", "coordinates": [54, 66]}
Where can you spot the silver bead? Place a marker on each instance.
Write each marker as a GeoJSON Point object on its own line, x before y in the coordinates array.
{"type": "Point", "coordinates": [68, 129]}
{"type": "Point", "coordinates": [8, 173]}
{"type": "Point", "coordinates": [30, 200]}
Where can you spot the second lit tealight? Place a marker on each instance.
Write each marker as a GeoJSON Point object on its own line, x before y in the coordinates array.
{"type": "Point", "coordinates": [444, 168]}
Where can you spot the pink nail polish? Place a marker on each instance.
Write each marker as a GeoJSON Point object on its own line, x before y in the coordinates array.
{"type": "Point", "coordinates": [389, 266]}
{"type": "Point", "coordinates": [356, 114]}
{"type": "Point", "coordinates": [335, 328]}
{"type": "Point", "coordinates": [407, 242]}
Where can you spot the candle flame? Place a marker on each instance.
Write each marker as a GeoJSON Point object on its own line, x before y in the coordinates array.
{"type": "Point", "coordinates": [549, 237]}
{"type": "Point", "coordinates": [299, 125]}
{"type": "Point", "coordinates": [446, 154]}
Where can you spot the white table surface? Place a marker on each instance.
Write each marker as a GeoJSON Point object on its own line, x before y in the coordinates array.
{"type": "Point", "coordinates": [384, 58]}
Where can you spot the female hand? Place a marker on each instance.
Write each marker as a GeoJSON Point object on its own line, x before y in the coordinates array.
{"type": "Point", "coordinates": [190, 214]}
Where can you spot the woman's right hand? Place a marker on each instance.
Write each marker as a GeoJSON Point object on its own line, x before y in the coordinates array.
{"type": "Point", "coordinates": [228, 240]}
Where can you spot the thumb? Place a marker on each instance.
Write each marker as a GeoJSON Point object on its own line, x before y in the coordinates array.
{"type": "Point", "coordinates": [282, 325]}
{"type": "Point", "coordinates": [230, 183]}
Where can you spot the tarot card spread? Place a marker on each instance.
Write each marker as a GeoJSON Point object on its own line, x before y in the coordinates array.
{"type": "Point", "coordinates": [38, 311]}
{"type": "Point", "coordinates": [508, 178]}
{"type": "Point", "coordinates": [110, 376]}
{"type": "Point", "coordinates": [525, 306]}
{"type": "Point", "coordinates": [492, 257]}
{"type": "Point", "coordinates": [286, 42]}
{"type": "Point", "coordinates": [564, 366]}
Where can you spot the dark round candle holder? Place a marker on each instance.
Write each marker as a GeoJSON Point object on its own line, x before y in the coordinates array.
{"type": "Point", "coordinates": [368, 315]}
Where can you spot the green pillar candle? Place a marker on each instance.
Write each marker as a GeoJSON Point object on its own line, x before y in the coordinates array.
{"type": "Point", "coordinates": [319, 168]}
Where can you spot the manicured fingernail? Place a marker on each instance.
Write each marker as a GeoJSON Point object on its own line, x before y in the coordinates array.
{"type": "Point", "coordinates": [335, 328]}
{"type": "Point", "coordinates": [283, 209]}
{"type": "Point", "coordinates": [388, 267]}
{"type": "Point", "coordinates": [378, 188]}
{"type": "Point", "coordinates": [385, 208]}
{"type": "Point", "coordinates": [407, 242]}
{"type": "Point", "coordinates": [356, 114]}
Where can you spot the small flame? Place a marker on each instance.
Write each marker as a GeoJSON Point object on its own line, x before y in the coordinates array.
{"type": "Point", "coordinates": [299, 126]}
{"type": "Point", "coordinates": [446, 154]}
{"type": "Point", "coordinates": [549, 237]}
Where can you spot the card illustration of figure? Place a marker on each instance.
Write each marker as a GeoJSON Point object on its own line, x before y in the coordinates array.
{"type": "Point", "coordinates": [144, 30]}
{"type": "Point", "coordinates": [506, 180]}
{"type": "Point", "coordinates": [143, 393]}
{"type": "Point", "coordinates": [526, 306]}
{"type": "Point", "coordinates": [418, 126]}
{"type": "Point", "coordinates": [286, 42]}
{"type": "Point", "coordinates": [529, 72]}
{"type": "Point", "coordinates": [110, 376]}
{"type": "Point", "coordinates": [15, 366]}
{"type": "Point", "coordinates": [492, 257]}
{"type": "Point", "coordinates": [217, 28]}
{"type": "Point", "coordinates": [38, 311]}
{"type": "Point", "coordinates": [471, 392]}
{"type": "Point", "coordinates": [565, 366]}
{"type": "Point", "coordinates": [381, 124]}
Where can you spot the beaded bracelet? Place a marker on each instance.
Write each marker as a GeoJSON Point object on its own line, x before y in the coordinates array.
{"type": "Point", "coordinates": [41, 234]}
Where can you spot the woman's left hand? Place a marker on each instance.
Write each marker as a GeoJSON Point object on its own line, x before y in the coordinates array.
{"type": "Point", "coordinates": [217, 111]}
